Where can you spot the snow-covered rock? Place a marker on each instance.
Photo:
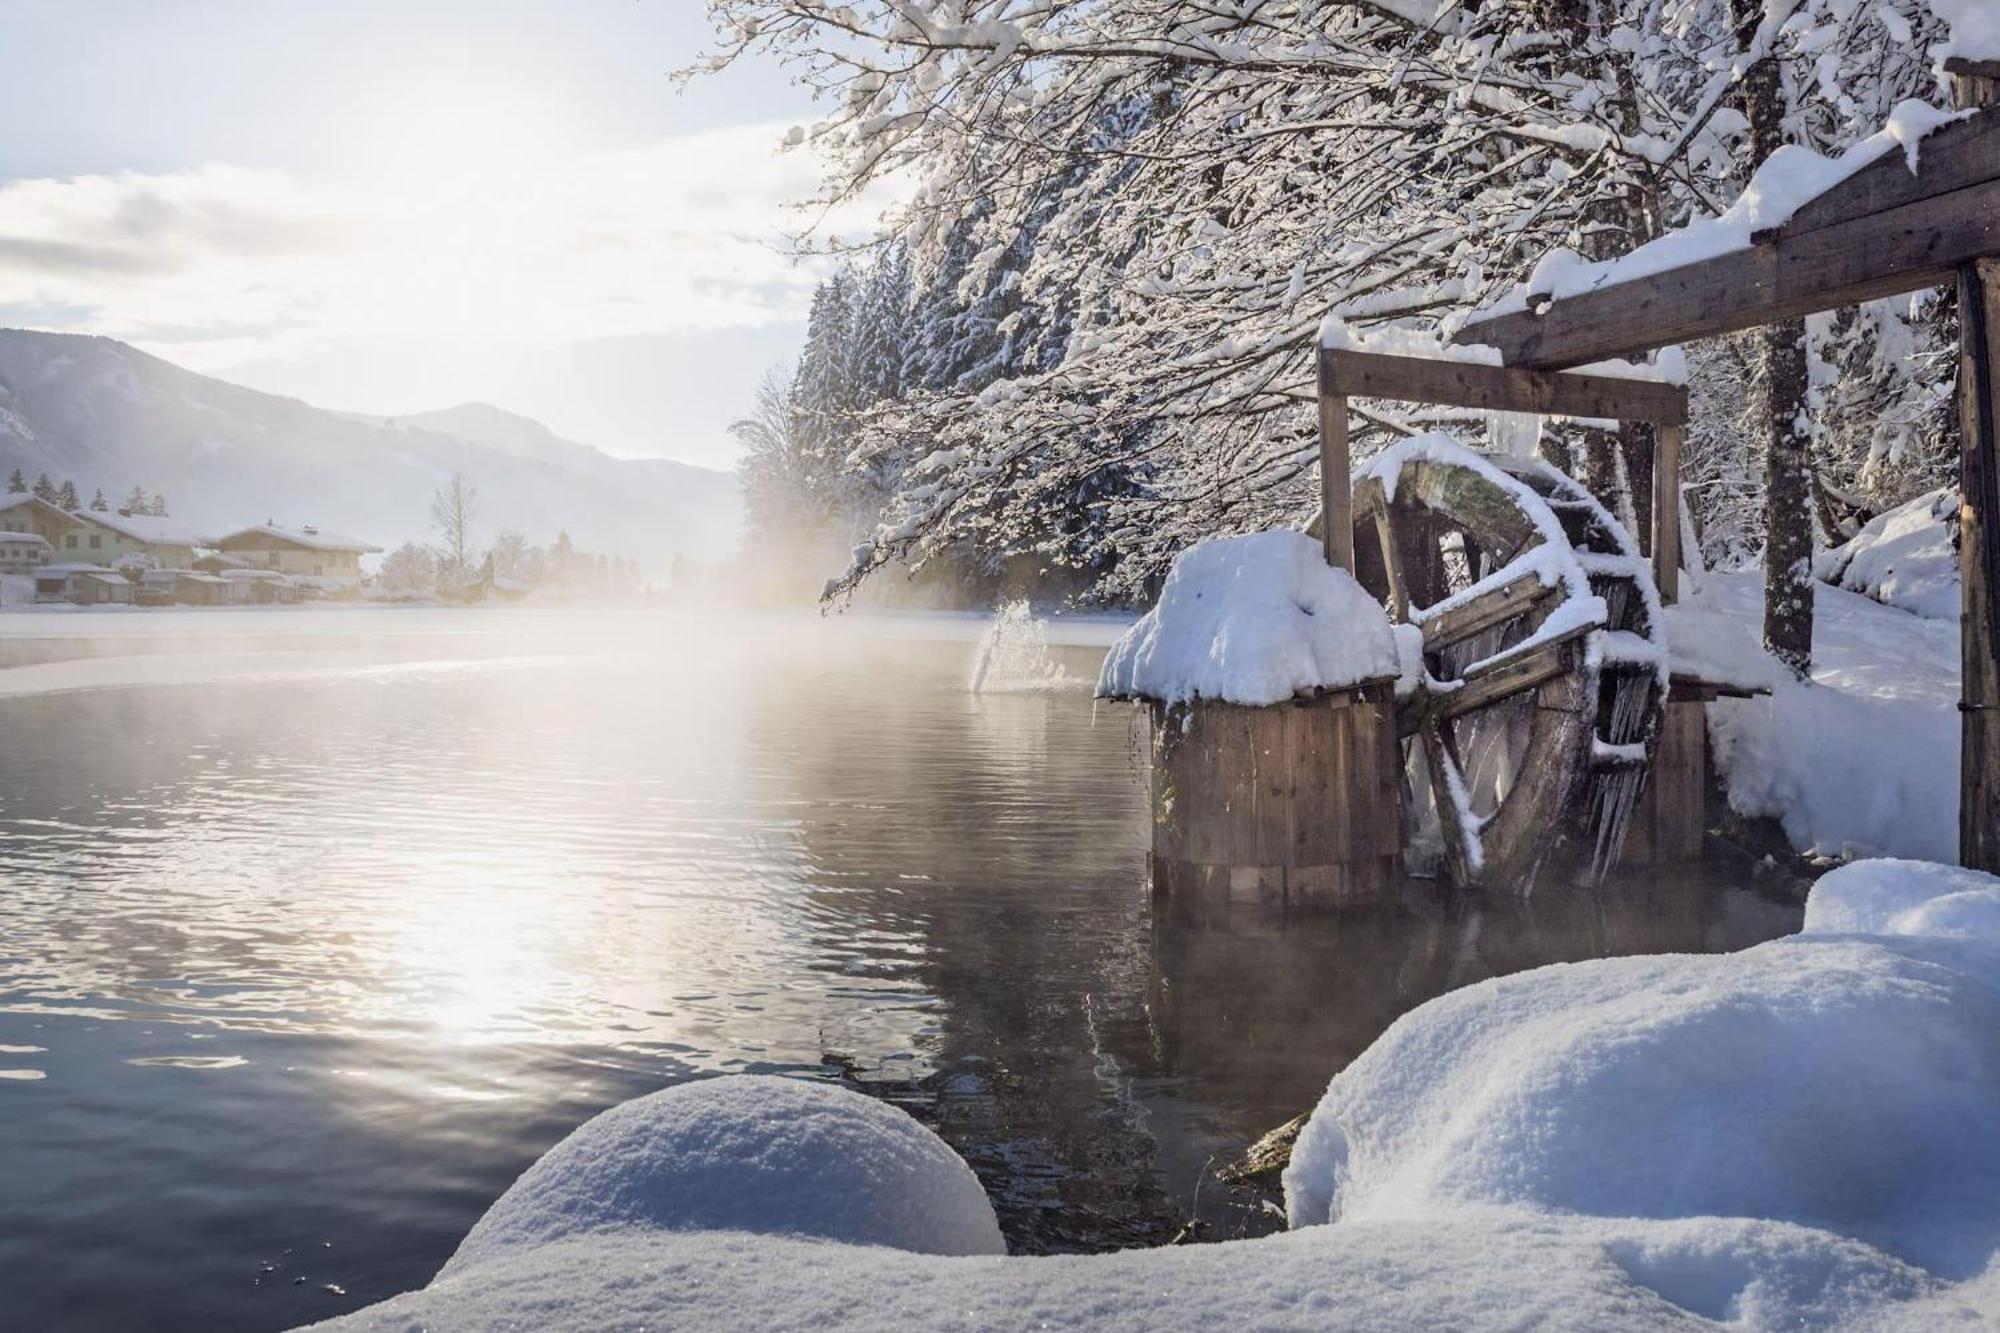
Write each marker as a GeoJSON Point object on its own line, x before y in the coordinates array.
{"type": "Point", "coordinates": [1906, 557]}
{"type": "Point", "coordinates": [1889, 897]}
{"type": "Point", "coordinates": [1252, 620]}
{"type": "Point", "coordinates": [1846, 1084]}
{"type": "Point", "coordinates": [767, 1155]}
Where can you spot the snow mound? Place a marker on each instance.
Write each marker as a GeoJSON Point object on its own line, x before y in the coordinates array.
{"type": "Point", "coordinates": [749, 1153]}
{"type": "Point", "coordinates": [1718, 647]}
{"type": "Point", "coordinates": [1252, 620]}
{"type": "Point", "coordinates": [1906, 557]}
{"type": "Point", "coordinates": [1905, 898]}
{"type": "Point", "coordinates": [1848, 1085]}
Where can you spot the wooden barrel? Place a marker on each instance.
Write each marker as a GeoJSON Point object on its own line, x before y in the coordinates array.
{"type": "Point", "coordinates": [1261, 813]}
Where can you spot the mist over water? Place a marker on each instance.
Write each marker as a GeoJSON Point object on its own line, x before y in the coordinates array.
{"type": "Point", "coordinates": [317, 927]}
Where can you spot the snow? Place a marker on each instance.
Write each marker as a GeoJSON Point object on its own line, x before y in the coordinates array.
{"type": "Point", "coordinates": [1975, 28]}
{"type": "Point", "coordinates": [1847, 1084]}
{"type": "Point", "coordinates": [1799, 1135]}
{"type": "Point", "coordinates": [1906, 557]}
{"type": "Point", "coordinates": [1405, 338]}
{"type": "Point", "coordinates": [756, 1154]}
{"type": "Point", "coordinates": [1894, 897]}
{"type": "Point", "coordinates": [154, 530]}
{"type": "Point", "coordinates": [1789, 179]}
{"type": "Point", "coordinates": [1252, 620]}
{"type": "Point", "coordinates": [1718, 648]}
{"type": "Point", "coordinates": [1863, 760]}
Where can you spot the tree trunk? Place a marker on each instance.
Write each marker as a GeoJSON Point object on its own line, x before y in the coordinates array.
{"type": "Point", "coordinates": [1788, 588]}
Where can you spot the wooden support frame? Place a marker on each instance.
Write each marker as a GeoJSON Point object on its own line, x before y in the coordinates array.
{"type": "Point", "coordinates": [1882, 232]}
{"type": "Point", "coordinates": [1345, 373]}
{"type": "Point", "coordinates": [1885, 230]}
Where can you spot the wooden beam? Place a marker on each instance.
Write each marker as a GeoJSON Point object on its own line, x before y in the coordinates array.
{"type": "Point", "coordinates": [1502, 604]}
{"type": "Point", "coordinates": [1424, 379]}
{"type": "Point", "coordinates": [1667, 513]}
{"type": "Point", "coordinates": [1953, 157]}
{"type": "Point", "coordinates": [1974, 82]}
{"type": "Point", "coordinates": [1979, 563]}
{"type": "Point", "coordinates": [1902, 249]}
{"type": "Point", "coordinates": [1336, 481]}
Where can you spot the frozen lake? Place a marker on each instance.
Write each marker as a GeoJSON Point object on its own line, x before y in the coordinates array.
{"type": "Point", "coordinates": [317, 926]}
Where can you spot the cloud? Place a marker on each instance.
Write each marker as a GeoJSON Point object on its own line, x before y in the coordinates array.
{"type": "Point", "coordinates": [221, 262]}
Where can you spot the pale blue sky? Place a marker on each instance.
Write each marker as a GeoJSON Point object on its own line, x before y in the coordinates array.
{"type": "Point", "coordinates": [390, 205]}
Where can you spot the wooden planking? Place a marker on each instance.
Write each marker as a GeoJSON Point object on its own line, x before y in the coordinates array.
{"type": "Point", "coordinates": [1670, 821]}
{"type": "Point", "coordinates": [1667, 513]}
{"type": "Point", "coordinates": [1421, 379]}
{"type": "Point", "coordinates": [1953, 157]}
{"type": "Point", "coordinates": [1973, 82]}
{"type": "Point", "coordinates": [1519, 597]}
{"type": "Point", "coordinates": [1917, 245]}
{"type": "Point", "coordinates": [1515, 675]}
{"type": "Point", "coordinates": [1979, 563]}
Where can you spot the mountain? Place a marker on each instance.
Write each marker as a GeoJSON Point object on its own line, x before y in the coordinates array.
{"type": "Point", "coordinates": [109, 416]}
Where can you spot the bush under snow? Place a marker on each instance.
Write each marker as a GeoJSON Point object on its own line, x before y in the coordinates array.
{"type": "Point", "coordinates": [1906, 557]}
{"type": "Point", "coordinates": [1805, 1134]}
{"type": "Point", "coordinates": [1252, 620]}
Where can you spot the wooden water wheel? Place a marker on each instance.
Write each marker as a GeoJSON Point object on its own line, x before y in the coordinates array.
{"type": "Point", "coordinates": [1530, 731]}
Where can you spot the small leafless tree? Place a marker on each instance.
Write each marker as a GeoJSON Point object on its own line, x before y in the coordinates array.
{"type": "Point", "coordinates": [453, 507]}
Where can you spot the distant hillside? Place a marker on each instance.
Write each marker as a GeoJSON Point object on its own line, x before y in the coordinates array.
{"type": "Point", "coordinates": [108, 415]}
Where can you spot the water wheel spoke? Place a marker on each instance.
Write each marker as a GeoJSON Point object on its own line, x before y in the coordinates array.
{"type": "Point", "coordinates": [1477, 613]}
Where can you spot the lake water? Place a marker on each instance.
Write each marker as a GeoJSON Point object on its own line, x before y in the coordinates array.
{"type": "Point", "coordinates": [317, 926]}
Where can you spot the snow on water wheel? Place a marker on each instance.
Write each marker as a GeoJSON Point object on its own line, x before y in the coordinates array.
{"type": "Point", "coordinates": [1544, 662]}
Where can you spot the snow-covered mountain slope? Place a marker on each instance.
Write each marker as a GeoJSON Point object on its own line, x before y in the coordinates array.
{"type": "Point", "coordinates": [107, 415]}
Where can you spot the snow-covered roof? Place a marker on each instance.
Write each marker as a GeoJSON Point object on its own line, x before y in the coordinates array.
{"type": "Point", "coordinates": [66, 569]}
{"type": "Point", "coordinates": [24, 538]}
{"type": "Point", "coordinates": [154, 530]}
{"type": "Point", "coordinates": [255, 575]}
{"type": "Point", "coordinates": [18, 499]}
{"type": "Point", "coordinates": [316, 538]}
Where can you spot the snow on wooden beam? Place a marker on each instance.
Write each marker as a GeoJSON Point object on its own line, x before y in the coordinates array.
{"type": "Point", "coordinates": [1421, 379]}
{"type": "Point", "coordinates": [1881, 232]}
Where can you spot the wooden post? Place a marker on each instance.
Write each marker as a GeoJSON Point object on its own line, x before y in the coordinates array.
{"type": "Point", "coordinates": [1979, 561]}
{"type": "Point", "coordinates": [1667, 513]}
{"type": "Point", "coordinates": [1978, 84]}
{"type": "Point", "coordinates": [1336, 486]}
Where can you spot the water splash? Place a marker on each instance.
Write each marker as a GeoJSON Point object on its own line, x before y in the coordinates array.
{"type": "Point", "coordinates": [1014, 656]}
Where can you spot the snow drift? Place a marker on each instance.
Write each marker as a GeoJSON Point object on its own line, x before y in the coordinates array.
{"type": "Point", "coordinates": [1907, 557]}
{"type": "Point", "coordinates": [1800, 1135]}
{"type": "Point", "coordinates": [768, 1155]}
{"type": "Point", "coordinates": [1252, 620]}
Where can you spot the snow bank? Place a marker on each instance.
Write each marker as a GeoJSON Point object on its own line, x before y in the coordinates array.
{"type": "Point", "coordinates": [1906, 557]}
{"type": "Point", "coordinates": [1905, 898]}
{"type": "Point", "coordinates": [1790, 178]}
{"type": "Point", "coordinates": [1717, 647]}
{"type": "Point", "coordinates": [1863, 760]}
{"type": "Point", "coordinates": [1252, 620]}
{"type": "Point", "coordinates": [766, 1155]}
{"type": "Point", "coordinates": [1848, 1085]}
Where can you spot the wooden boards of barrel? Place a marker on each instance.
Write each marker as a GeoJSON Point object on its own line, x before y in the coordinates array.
{"type": "Point", "coordinates": [1262, 812]}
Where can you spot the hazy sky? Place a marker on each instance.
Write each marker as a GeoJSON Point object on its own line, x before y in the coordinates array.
{"type": "Point", "coordinates": [393, 205]}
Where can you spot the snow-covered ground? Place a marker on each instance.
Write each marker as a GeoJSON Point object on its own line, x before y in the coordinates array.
{"type": "Point", "coordinates": [1802, 1135]}
{"type": "Point", "coordinates": [1863, 761]}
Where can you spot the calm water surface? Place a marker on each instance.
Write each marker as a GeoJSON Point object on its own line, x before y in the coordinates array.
{"type": "Point", "coordinates": [316, 927]}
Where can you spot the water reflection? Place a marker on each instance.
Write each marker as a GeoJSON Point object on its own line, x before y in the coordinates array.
{"type": "Point", "coordinates": [308, 960]}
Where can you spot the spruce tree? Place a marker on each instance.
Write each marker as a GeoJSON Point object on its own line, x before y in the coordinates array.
{"type": "Point", "coordinates": [158, 507]}
{"type": "Point", "coordinates": [97, 502]}
{"type": "Point", "coordinates": [44, 488]}
{"type": "Point", "coordinates": [16, 483]}
{"type": "Point", "coordinates": [135, 503]}
{"type": "Point", "coordinates": [66, 498]}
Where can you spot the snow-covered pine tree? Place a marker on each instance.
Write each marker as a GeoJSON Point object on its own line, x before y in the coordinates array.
{"type": "Point", "coordinates": [66, 498]}
{"type": "Point", "coordinates": [44, 488]}
{"type": "Point", "coordinates": [136, 502]}
{"type": "Point", "coordinates": [157, 506]}
{"type": "Point", "coordinates": [16, 483]}
{"type": "Point", "coordinates": [98, 504]}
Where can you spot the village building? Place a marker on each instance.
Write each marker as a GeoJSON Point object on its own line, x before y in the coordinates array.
{"type": "Point", "coordinates": [22, 512]}
{"type": "Point", "coordinates": [107, 538]}
{"type": "Point", "coordinates": [301, 553]}
{"type": "Point", "coordinates": [22, 552]}
{"type": "Point", "coordinates": [85, 585]}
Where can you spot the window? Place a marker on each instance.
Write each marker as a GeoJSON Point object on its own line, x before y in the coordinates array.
{"type": "Point", "coordinates": [70, 541]}
{"type": "Point", "coordinates": [96, 541]}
